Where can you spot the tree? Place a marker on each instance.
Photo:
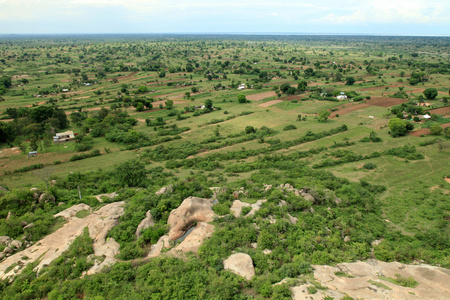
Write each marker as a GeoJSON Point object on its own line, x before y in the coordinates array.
{"type": "Point", "coordinates": [162, 74]}
{"type": "Point", "coordinates": [242, 98]}
{"type": "Point", "coordinates": [447, 132]}
{"type": "Point", "coordinates": [169, 104]}
{"type": "Point", "coordinates": [143, 89]}
{"type": "Point", "coordinates": [302, 85]}
{"type": "Point", "coordinates": [285, 87]}
{"type": "Point", "coordinates": [435, 129]}
{"type": "Point", "coordinates": [7, 132]}
{"type": "Point", "coordinates": [45, 174]}
{"type": "Point", "coordinates": [131, 173]}
{"type": "Point", "coordinates": [397, 127]}
{"type": "Point", "coordinates": [209, 104]}
{"type": "Point", "coordinates": [323, 115]}
{"type": "Point", "coordinates": [350, 80]}
{"type": "Point", "coordinates": [430, 93]}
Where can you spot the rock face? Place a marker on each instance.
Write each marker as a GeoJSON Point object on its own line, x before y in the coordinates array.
{"type": "Point", "coordinates": [146, 223]}
{"type": "Point", "coordinates": [52, 246]}
{"type": "Point", "coordinates": [433, 281]}
{"type": "Point", "coordinates": [240, 264]}
{"type": "Point", "coordinates": [192, 210]}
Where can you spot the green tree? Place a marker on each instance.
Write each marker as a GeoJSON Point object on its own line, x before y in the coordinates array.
{"type": "Point", "coordinates": [242, 98]}
{"type": "Point", "coordinates": [350, 80]}
{"type": "Point", "coordinates": [430, 93]}
{"type": "Point", "coordinates": [435, 129]}
{"type": "Point", "coordinates": [162, 74]}
{"type": "Point", "coordinates": [143, 89]}
{"type": "Point", "coordinates": [7, 132]}
{"type": "Point", "coordinates": [169, 104]}
{"type": "Point", "coordinates": [209, 104]}
{"type": "Point", "coordinates": [131, 173]}
{"type": "Point", "coordinates": [447, 132]}
{"type": "Point", "coordinates": [323, 115]}
{"type": "Point", "coordinates": [302, 85]}
{"type": "Point", "coordinates": [397, 127]}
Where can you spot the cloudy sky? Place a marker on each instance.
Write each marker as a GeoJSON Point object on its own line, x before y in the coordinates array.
{"type": "Point", "coordinates": [398, 17]}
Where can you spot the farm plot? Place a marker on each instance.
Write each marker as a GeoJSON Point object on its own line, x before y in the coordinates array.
{"type": "Point", "coordinates": [261, 96]}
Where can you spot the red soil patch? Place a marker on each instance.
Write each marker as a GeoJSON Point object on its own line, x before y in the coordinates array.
{"type": "Point", "coordinates": [386, 102]}
{"type": "Point", "coordinates": [426, 131]}
{"type": "Point", "coordinates": [347, 108]}
{"type": "Point", "coordinates": [447, 179]}
{"type": "Point", "coordinates": [260, 96]}
{"type": "Point", "coordinates": [440, 111]}
{"type": "Point", "coordinates": [39, 103]}
{"type": "Point", "coordinates": [269, 103]}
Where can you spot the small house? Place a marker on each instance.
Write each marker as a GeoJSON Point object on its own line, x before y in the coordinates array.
{"type": "Point", "coordinates": [341, 97]}
{"type": "Point", "coordinates": [426, 117]}
{"type": "Point", "coordinates": [241, 86]}
{"type": "Point", "coordinates": [32, 153]}
{"type": "Point", "coordinates": [64, 137]}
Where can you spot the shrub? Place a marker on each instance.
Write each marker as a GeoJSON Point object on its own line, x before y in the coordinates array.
{"type": "Point", "coordinates": [289, 127]}
{"type": "Point", "coordinates": [370, 166]}
{"type": "Point", "coordinates": [435, 129]}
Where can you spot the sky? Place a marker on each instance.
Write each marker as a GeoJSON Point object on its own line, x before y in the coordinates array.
{"type": "Point", "coordinates": [390, 17]}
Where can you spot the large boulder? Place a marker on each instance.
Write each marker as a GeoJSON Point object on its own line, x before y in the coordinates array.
{"type": "Point", "coordinates": [192, 210]}
{"type": "Point", "coordinates": [146, 223]}
{"type": "Point", "coordinates": [240, 264]}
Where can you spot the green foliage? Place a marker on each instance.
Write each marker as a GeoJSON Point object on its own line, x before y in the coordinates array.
{"type": "Point", "coordinates": [323, 115]}
{"type": "Point", "coordinates": [131, 173]}
{"type": "Point", "coordinates": [397, 127]}
{"type": "Point", "coordinates": [430, 93]}
{"type": "Point", "coordinates": [435, 129]}
{"type": "Point", "coordinates": [242, 98]}
{"type": "Point", "coordinates": [370, 166]}
{"type": "Point", "coordinates": [289, 127]}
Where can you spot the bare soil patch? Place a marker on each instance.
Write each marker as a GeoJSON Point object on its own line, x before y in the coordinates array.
{"type": "Point", "coordinates": [270, 103]}
{"type": "Point", "coordinates": [347, 108]}
{"type": "Point", "coordinates": [260, 96]}
{"type": "Point", "coordinates": [386, 102]}
{"type": "Point", "coordinates": [426, 131]}
{"type": "Point", "coordinates": [440, 111]}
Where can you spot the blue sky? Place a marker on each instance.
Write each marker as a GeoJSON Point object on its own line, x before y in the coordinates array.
{"type": "Point", "coordinates": [398, 17]}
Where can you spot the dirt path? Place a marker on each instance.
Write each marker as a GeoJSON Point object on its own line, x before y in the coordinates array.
{"type": "Point", "coordinates": [269, 103]}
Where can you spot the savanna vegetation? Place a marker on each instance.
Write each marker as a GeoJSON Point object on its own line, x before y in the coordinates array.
{"type": "Point", "coordinates": [361, 123]}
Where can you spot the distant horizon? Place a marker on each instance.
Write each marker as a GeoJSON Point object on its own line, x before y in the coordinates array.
{"type": "Point", "coordinates": [318, 17]}
{"type": "Point", "coordinates": [226, 33]}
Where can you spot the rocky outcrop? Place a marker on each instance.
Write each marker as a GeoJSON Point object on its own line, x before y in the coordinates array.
{"type": "Point", "coordinates": [155, 250]}
{"type": "Point", "coordinates": [237, 206]}
{"type": "Point", "coordinates": [240, 264]}
{"type": "Point", "coordinates": [5, 240]}
{"type": "Point", "coordinates": [146, 223]}
{"type": "Point", "coordinates": [363, 281]}
{"type": "Point", "coordinates": [110, 196]}
{"type": "Point", "coordinates": [70, 213]}
{"type": "Point", "coordinates": [52, 246]}
{"type": "Point", "coordinates": [164, 190]}
{"type": "Point", "coordinates": [195, 239]}
{"type": "Point", "coordinates": [191, 210]}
